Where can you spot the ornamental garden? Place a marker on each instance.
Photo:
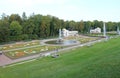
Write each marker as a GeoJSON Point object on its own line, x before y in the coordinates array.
{"type": "Point", "coordinates": [29, 48]}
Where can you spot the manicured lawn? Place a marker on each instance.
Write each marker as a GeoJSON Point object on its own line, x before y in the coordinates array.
{"type": "Point", "coordinates": [101, 60]}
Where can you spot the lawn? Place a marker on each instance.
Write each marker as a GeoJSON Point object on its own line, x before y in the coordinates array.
{"type": "Point", "coordinates": [100, 60]}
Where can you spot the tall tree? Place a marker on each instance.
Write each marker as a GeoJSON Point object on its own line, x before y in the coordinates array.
{"type": "Point", "coordinates": [71, 25]}
{"type": "Point", "coordinates": [3, 16]}
{"type": "Point", "coordinates": [15, 30]}
{"type": "Point", "coordinates": [36, 19]}
{"type": "Point", "coordinates": [55, 25]}
{"type": "Point", "coordinates": [15, 17]}
{"type": "Point", "coordinates": [24, 17]}
{"type": "Point", "coordinates": [81, 26]}
{"type": "Point", "coordinates": [28, 27]}
{"type": "Point", "coordinates": [45, 26]}
{"type": "Point", "coordinates": [4, 31]}
{"type": "Point", "coordinates": [88, 26]}
{"type": "Point", "coordinates": [109, 26]}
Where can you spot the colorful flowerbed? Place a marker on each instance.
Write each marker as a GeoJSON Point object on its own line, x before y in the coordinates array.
{"type": "Point", "coordinates": [82, 39]}
{"type": "Point", "coordinates": [20, 45]}
{"type": "Point", "coordinates": [29, 51]}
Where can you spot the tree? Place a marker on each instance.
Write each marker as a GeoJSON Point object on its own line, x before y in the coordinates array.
{"type": "Point", "coordinates": [24, 17]}
{"type": "Point", "coordinates": [28, 27]}
{"type": "Point", "coordinates": [42, 29]}
{"type": "Point", "coordinates": [3, 16]}
{"type": "Point", "coordinates": [15, 17]}
{"type": "Point", "coordinates": [45, 26]}
{"type": "Point", "coordinates": [47, 20]}
{"type": "Point", "coordinates": [15, 28]}
{"type": "Point", "coordinates": [4, 31]}
{"type": "Point", "coordinates": [88, 26]}
{"type": "Point", "coordinates": [81, 26]}
{"type": "Point", "coordinates": [109, 26]}
{"type": "Point", "coordinates": [37, 21]}
{"type": "Point", "coordinates": [55, 25]}
{"type": "Point", "coordinates": [71, 25]}
{"type": "Point", "coordinates": [62, 23]}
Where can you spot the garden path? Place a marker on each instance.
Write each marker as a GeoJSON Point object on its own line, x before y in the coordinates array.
{"type": "Point", "coordinates": [4, 60]}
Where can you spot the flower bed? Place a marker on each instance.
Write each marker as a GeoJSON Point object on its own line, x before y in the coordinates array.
{"type": "Point", "coordinates": [29, 51]}
{"type": "Point", "coordinates": [81, 39]}
{"type": "Point", "coordinates": [20, 45]}
{"type": "Point", "coordinates": [84, 40]}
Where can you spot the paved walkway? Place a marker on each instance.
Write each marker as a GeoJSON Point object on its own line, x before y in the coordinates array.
{"type": "Point", "coordinates": [5, 60]}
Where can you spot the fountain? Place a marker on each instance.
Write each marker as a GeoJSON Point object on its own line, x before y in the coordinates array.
{"type": "Point", "coordinates": [118, 30]}
{"type": "Point", "coordinates": [104, 30]}
{"type": "Point", "coordinates": [61, 40]}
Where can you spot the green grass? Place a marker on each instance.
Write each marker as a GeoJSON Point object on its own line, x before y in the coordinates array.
{"type": "Point", "coordinates": [100, 60]}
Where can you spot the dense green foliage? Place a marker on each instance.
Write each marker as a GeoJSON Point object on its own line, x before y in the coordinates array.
{"type": "Point", "coordinates": [101, 60]}
{"type": "Point", "coordinates": [16, 27]}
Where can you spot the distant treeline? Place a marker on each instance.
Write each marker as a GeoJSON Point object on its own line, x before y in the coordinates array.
{"type": "Point", "coordinates": [17, 28]}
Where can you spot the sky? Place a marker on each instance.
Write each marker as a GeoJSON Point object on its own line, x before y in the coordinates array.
{"type": "Point", "coordinates": [86, 10]}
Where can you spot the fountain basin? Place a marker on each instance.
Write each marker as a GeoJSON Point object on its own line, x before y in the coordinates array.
{"type": "Point", "coordinates": [64, 42]}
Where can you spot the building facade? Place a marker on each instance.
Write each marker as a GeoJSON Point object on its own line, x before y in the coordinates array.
{"type": "Point", "coordinates": [96, 30]}
{"type": "Point", "coordinates": [66, 33]}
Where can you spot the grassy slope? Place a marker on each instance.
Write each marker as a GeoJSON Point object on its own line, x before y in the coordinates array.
{"type": "Point", "coordinates": [98, 61]}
